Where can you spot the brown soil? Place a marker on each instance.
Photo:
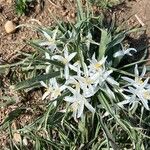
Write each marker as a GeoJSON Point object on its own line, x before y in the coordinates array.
{"type": "Point", "coordinates": [11, 44]}
{"type": "Point", "coordinates": [43, 12]}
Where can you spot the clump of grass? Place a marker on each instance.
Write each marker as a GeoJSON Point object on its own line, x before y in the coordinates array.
{"type": "Point", "coordinates": [67, 58]}
{"type": "Point", "coordinates": [22, 6]}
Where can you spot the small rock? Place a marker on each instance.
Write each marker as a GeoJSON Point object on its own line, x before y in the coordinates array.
{"type": "Point", "coordinates": [10, 27]}
{"type": "Point", "coordinates": [17, 137]}
{"type": "Point", "coordinates": [9, 1]}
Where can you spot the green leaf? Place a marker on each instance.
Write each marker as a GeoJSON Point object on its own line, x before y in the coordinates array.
{"type": "Point", "coordinates": [30, 82]}
{"type": "Point", "coordinates": [103, 98]}
{"type": "Point", "coordinates": [53, 62]}
{"type": "Point", "coordinates": [39, 48]}
{"type": "Point", "coordinates": [134, 63]}
{"type": "Point", "coordinates": [105, 39]}
{"type": "Point", "coordinates": [13, 64]}
{"type": "Point", "coordinates": [117, 40]}
{"type": "Point", "coordinates": [80, 10]}
{"type": "Point", "coordinates": [8, 101]}
{"type": "Point", "coordinates": [13, 115]}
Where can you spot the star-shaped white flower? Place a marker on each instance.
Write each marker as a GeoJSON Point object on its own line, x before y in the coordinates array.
{"type": "Point", "coordinates": [53, 89]}
{"type": "Point", "coordinates": [78, 101]}
{"type": "Point", "coordinates": [95, 65]}
{"type": "Point", "coordinates": [137, 95]}
{"type": "Point", "coordinates": [66, 61]}
{"type": "Point", "coordinates": [87, 82]}
{"type": "Point", "coordinates": [104, 77]}
{"type": "Point", "coordinates": [138, 80]}
{"type": "Point", "coordinates": [51, 42]}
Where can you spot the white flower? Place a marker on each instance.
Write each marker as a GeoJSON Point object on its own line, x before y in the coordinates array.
{"type": "Point", "coordinates": [104, 77]}
{"type": "Point", "coordinates": [77, 68]}
{"type": "Point", "coordinates": [78, 102]}
{"type": "Point", "coordinates": [124, 52]}
{"type": "Point", "coordinates": [139, 95]}
{"type": "Point", "coordinates": [53, 89]}
{"type": "Point", "coordinates": [66, 61]}
{"type": "Point", "coordinates": [48, 89]}
{"type": "Point", "coordinates": [98, 73]}
{"type": "Point", "coordinates": [87, 82]}
{"type": "Point", "coordinates": [51, 43]}
{"type": "Point", "coordinates": [96, 66]}
{"type": "Point", "coordinates": [138, 80]}
{"type": "Point", "coordinates": [87, 85]}
{"type": "Point", "coordinates": [139, 90]}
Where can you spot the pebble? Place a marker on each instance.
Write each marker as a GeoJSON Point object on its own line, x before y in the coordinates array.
{"type": "Point", "coordinates": [10, 27]}
{"type": "Point", "coordinates": [9, 1]}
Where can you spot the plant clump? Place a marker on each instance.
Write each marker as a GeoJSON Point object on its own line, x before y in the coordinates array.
{"type": "Point", "coordinates": [94, 97]}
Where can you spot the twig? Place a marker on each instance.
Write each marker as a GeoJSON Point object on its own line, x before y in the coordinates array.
{"type": "Point", "coordinates": [54, 4]}
{"type": "Point", "coordinates": [139, 20]}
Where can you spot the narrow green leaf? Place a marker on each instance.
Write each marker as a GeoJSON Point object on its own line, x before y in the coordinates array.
{"type": "Point", "coordinates": [12, 65]}
{"type": "Point", "coordinates": [38, 47]}
{"type": "Point", "coordinates": [105, 39]}
{"type": "Point", "coordinates": [117, 39]}
{"type": "Point", "coordinates": [13, 115]}
{"type": "Point", "coordinates": [53, 62]}
{"type": "Point", "coordinates": [30, 82]}
{"type": "Point", "coordinates": [8, 101]}
{"type": "Point", "coordinates": [80, 10]}
{"type": "Point", "coordinates": [134, 63]}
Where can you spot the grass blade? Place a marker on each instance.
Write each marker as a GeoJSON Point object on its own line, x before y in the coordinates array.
{"type": "Point", "coordinates": [30, 82]}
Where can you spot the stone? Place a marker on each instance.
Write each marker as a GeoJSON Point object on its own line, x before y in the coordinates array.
{"type": "Point", "coordinates": [10, 27]}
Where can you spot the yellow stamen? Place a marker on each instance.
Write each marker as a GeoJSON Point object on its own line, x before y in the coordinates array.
{"type": "Point", "coordinates": [88, 80]}
{"type": "Point", "coordinates": [98, 65]}
{"type": "Point", "coordinates": [77, 86]}
{"type": "Point", "coordinates": [57, 92]}
{"type": "Point", "coordinates": [65, 61]}
{"type": "Point", "coordinates": [139, 80]}
{"type": "Point", "coordinates": [74, 106]}
{"type": "Point", "coordinates": [146, 95]}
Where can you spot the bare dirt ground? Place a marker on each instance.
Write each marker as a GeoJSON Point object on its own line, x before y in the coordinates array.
{"type": "Point", "coordinates": [10, 44]}
{"type": "Point", "coordinates": [42, 11]}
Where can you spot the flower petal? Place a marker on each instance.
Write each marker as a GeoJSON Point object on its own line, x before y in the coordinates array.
{"type": "Point", "coordinates": [71, 56]}
{"type": "Point", "coordinates": [118, 54]}
{"type": "Point", "coordinates": [111, 81]}
{"type": "Point", "coordinates": [46, 94]}
{"type": "Point", "coordinates": [43, 84]}
{"type": "Point", "coordinates": [144, 102]}
{"type": "Point", "coordinates": [66, 72]}
{"type": "Point", "coordinates": [136, 70]}
{"type": "Point", "coordinates": [128, 51]}
{"type": "Point", "coordinates": [80, 108]}
{"type": "Point", "coordinates": [58, 57]}
{"type": "Point", "coordinates": [89, 106]}
{"type": "Point", "coordinates": [47, 56]}
{"type": "Point", "coordinates": [143, 72]}
{"type": "Point", "coordinates": [70, 99]}
{"type": "Point", "coordinates": [66, 52]}
{"type": "Point", "coordinates": [73, 91]}
{"type": "Point", "coordinates": [128, 79]}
